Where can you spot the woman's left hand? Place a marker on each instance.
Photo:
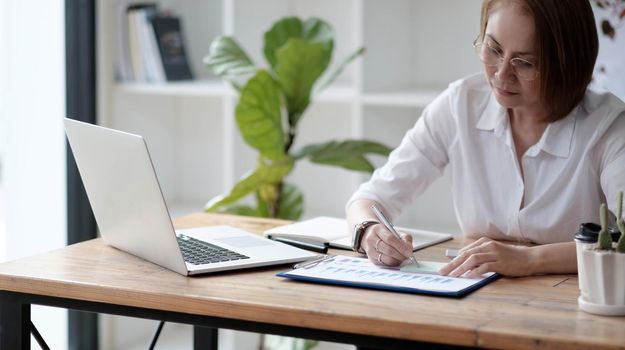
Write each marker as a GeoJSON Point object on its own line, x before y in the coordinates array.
{"type": "Point", "coordinates": [486, 255]}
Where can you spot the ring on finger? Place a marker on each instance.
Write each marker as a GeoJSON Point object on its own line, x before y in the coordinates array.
{"type": "Point", "coordinates": [376, 245]}
{"type": "Point", "coordinates": [380, 258]}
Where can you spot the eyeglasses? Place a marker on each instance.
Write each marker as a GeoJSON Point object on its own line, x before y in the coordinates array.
{"type": "Point", "coordinates": [493, 57]}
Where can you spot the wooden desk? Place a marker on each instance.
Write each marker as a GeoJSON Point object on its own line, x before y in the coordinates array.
{"type": "Point", "coordinates": [534, 312]}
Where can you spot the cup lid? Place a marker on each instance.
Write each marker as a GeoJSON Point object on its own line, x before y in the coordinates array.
{"type": "Point", "coordinates": [589, 233]}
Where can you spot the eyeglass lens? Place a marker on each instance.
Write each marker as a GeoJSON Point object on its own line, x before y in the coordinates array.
{"type": "Point", "coordinates": [492, 57]}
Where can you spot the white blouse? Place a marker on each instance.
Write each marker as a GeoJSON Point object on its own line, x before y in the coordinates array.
{"type": "Point", "coordinates": [578, 163]}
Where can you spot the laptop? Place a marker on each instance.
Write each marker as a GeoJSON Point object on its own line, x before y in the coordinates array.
{"type": "Point", "coordinates": [122, 187]}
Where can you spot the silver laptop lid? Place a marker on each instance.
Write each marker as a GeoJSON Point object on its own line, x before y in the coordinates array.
{"type": "Point", "coordinates": [124, 193]}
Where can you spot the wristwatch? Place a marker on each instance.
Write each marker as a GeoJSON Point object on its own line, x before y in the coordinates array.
{"type": "Point", "coordinates": [359, 231]}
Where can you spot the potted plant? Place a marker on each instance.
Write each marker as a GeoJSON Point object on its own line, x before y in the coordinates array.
{"type": "Point", "coordinates": [272, 103]}
{"type": "Point", "coordinates": [601, 264]}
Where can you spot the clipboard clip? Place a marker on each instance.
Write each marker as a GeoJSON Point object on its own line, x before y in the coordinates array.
{"type": "Point", "coordinates": [314, 262]}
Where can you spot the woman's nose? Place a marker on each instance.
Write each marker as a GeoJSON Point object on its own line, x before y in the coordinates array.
{"type": "Point", "coordinates": [505, 71]}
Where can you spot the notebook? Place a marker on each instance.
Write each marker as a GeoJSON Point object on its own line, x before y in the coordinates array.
{"type": "Point", "coordinates": [334, 231]}
{"type": "Point", "coordinates": [131, 213]}
{"type": "Point", "coordinates": [360, 272]}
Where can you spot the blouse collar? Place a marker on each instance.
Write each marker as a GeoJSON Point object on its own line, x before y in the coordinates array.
{"type": "Point", "coordinates": [556, 139]}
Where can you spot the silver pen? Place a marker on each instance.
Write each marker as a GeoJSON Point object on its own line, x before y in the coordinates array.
{"type": "Point", "coordinates": [390, 227]}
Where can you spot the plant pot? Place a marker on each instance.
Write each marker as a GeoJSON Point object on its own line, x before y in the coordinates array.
{"type": "Point", "coordinates": [601, 278]}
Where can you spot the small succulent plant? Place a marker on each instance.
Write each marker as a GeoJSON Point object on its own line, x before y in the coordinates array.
{"type": "Point", "coordinates": [620, 245]}
{"type": "Point", "coordinates": [605, 239]}
{"type": "Point", "coordinates": [620, 223]}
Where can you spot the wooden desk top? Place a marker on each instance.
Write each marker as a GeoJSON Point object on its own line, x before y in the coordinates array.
{"type": "Point", "coordinates": [532, 312]}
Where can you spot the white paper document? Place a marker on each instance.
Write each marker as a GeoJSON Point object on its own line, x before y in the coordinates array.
{"type": "Point", "coordinates": [361, 272]}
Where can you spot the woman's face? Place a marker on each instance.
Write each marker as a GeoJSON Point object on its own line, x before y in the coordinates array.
{"type": "Point", "coordinates": [510, 33]}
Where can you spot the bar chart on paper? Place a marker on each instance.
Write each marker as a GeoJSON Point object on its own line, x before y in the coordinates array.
{"type": "Point", "coordinates": [360, 272]}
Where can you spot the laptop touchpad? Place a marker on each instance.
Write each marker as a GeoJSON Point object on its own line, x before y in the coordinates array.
{"type": "Point", "coordinates": [244, 241]}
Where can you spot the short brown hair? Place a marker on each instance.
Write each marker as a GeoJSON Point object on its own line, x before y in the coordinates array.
{"type": "Point", "coordinates": [567, 46]}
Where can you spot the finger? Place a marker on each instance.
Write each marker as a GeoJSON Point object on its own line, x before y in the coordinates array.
{"type": "Point", "coordinates": [479, 242]}
{"type": "Point", "coordinates": [482, 269]}
{"type": "Point", "coordinates": [369, 240]}
{"type": "Point", "coordinates": [373, 257]}
{"type": "Point", "coordinates": [487, 246]}
{"type": "Point", "coordinates": [406, 238]}
{"type": "Point", "coordinates": [386, 260]}
{"type": "Point", "coordinates": [389, 251]}
{"type": "Point", "coordinates": [378, 258]}
{"type": "Point", "coordinates": [472, 262]}
{"type": "Point", "coordinates": [402, 247]}
{"type": "Point", "coordinates": [459, 260]}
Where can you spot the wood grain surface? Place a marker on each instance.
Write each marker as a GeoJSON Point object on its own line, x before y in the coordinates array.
{"type": "Point", "coordinates": [538, 312]}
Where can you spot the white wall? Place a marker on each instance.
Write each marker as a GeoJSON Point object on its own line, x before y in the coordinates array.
{"type": "Point", "coordinates": [33, 100]}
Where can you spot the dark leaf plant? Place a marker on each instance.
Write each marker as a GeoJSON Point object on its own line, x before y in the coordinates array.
{"type": "Point", "coordinates": [271, 105]}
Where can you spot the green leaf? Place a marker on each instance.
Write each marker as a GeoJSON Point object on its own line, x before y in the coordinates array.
{"type": "Point", "coordinates": [603, 216]}
{"type": "Point", "coordinates": [619, 205]}
{"type": "Point", "coordinates": [329, 78]}
{"type": "Point", "coordinates": [258, 116]}
{"type": "Point", "coordinates": [291, 204]}
{"type": "Point", "coordinates": [227, 58]}
{"type": "Point", "coordinates": [299, 65]}
{"type": "Point", "coordinates": [252, 181]}
{"type": "Point", "coordinates": [310, 344]}
{"type": "Point", "coordinates": [268, 193]}
{"type": "Point", "coordinates": [348, 154]}
{"type": "Point", "coordinates": [245, 210]}
{"type": "Point", "coordinates": [349, 147]}
{"type": "Point", "coordinates": [245, 186]}
{"type": "Point", "coordinates": [262, 206]}
{"type": "Point", "coordinates": [318, 31]}
{"type": "Point", "coordinates": [279, 34]}
{"type": "Point", "coordinates": [604, 240]}
{"type": "Point", "coordinates": [620, 245]}
{"type": "Point", "coordinates": [313, 30]}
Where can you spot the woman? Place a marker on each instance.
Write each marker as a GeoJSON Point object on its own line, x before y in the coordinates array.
{"type": "Point", "coordinates": [532, 152]}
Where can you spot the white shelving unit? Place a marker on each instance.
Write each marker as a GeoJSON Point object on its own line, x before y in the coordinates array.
{"type": "Point", "coordinates": [414, 49]}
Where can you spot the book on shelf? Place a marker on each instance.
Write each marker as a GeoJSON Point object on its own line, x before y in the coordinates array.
{"type": "Point", "coordinates": [150, 45]}
{"type": "Point", "coordinates": [171, 46]}
{"type": "Point", "coordinates": [123, 66]}
{"type": "Point", "coordinates": [334, 231]}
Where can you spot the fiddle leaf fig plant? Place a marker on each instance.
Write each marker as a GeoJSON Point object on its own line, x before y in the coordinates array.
{"type": "Point", "coordinates": [272, 102]}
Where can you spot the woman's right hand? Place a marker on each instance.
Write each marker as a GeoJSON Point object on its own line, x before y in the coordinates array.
{"type": "Point", "coordinates": [384, 248]}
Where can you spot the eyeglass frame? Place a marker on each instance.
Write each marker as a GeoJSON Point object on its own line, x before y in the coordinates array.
{"type": "Point", "coordinates": [477, 44]}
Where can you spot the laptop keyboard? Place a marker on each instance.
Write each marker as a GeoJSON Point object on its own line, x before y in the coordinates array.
{"type": "Point", "coordinates": [198, 252]}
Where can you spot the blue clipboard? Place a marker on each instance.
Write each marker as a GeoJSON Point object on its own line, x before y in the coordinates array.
{"type": "Point", "coordinates": [293, 275]}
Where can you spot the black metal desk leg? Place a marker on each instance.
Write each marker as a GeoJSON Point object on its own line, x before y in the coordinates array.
{"type": "Point", "coordinates": [205, 338]}
{"type": "Point", "coordinates": [14, 323]}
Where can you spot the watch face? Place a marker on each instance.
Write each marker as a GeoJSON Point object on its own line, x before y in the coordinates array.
{"type": "Point", "coordinates": [356, 236]}
{"type": "Point", "coordinates": [359, 230]}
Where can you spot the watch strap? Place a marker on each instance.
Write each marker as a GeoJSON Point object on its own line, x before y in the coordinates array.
{"type": "Point", "coordinates": [359, 231]}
